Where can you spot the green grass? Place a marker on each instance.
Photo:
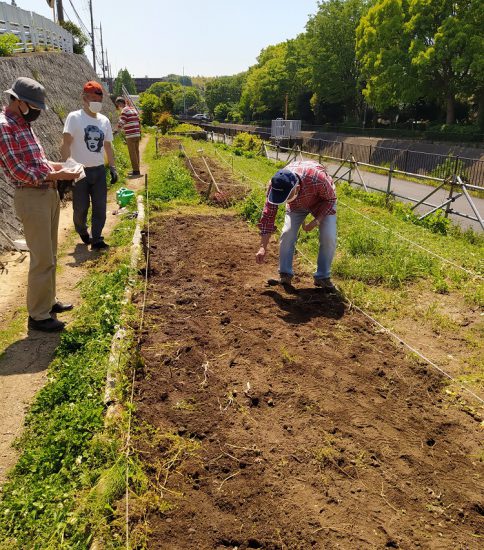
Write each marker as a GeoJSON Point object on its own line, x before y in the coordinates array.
{"type": "Point", "coordinates": [12, 332]}
{"type": "Point", "coordinates": [169, 180]}
{"type": "Point", "coordinates": [71, 468]}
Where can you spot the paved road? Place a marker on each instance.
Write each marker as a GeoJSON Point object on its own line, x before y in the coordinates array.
{"type": "Point", "coordinates": [414, 190]}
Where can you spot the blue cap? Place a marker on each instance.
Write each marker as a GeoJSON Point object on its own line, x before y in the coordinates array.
{"type": "Point", "coordinates": [282, 183]}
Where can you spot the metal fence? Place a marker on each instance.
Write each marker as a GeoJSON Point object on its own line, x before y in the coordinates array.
{"type": "Point", "coordinates": [404, 161]}
{"type": "Point", "coordinates": [33, 31]}
{"type": "Point", "coordinates": [348, 170]}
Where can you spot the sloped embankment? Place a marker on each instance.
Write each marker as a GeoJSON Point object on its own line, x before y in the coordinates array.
{"type": "Point", "coordinates": [63, 76]}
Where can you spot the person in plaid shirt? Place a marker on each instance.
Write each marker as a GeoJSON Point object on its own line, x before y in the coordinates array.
{"type": "Point", "coordinates": [36, 199]}
{"type": "Point", "coordinates": [306, 188]}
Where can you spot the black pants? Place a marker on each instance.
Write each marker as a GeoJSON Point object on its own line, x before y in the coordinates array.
{"type": "Point", "coordinates": [91, 191]}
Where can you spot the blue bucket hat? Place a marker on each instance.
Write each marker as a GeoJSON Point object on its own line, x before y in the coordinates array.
{"type": "Point", "coordinates": [282, 183]}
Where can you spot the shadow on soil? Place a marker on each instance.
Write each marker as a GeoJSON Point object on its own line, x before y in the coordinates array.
{"type": "Point", "coordinates": [34, 353]}
{"type": "Point", "coordinates": [303, 304]}
{"type": "Point", "coordinates": [81, 254]}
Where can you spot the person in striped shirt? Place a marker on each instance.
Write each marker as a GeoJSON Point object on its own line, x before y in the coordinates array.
{"type": "Point", "coordinates": [129, 123]}
{"type": "Point", "coordinates": [305, 187]}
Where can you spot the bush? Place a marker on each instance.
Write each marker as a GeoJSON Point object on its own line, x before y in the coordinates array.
{"type": "Point", "coordinates": [166, 122]}
{"type": "Point", "coordinates": [8, 42]}
{"type": "Point", "coordinates": [186, 128]}
{"type": "Point", "coordinates": [244, 143]}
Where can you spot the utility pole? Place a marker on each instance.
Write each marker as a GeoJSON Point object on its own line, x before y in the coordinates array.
{"type": "Point", "coordinates": [183, 89]}
{"type": "Point", "coordinates": [110, 79]}
{"type": "Point", "coordinates": [60, 11]}
{"type": "Point", "coordinates": [102, 52]}
{"type": "Point", "coordinates": [93, 41]}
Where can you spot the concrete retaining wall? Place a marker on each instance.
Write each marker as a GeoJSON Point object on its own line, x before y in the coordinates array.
{"type": "Point", "coordinates": [63, 76]}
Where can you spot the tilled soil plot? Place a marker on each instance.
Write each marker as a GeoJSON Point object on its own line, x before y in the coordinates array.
{"type": "Point", "coordinates": [230, 189]}
{"type": "Point", "coordinates": [283, 420]}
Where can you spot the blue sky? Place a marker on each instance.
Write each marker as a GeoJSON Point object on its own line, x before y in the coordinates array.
{"type": "Point", "coordinates": [210, 37]}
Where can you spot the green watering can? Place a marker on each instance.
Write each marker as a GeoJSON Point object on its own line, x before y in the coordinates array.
{"type": "Point", "coordinates": [124, 196]}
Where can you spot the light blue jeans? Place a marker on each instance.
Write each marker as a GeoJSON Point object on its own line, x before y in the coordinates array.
{"type": "Point", "coordinates": [327, 243]}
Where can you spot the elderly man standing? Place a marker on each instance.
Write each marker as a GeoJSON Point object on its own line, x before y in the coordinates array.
{"type": "Point", "coordinates": [129, 123]}
{"type": "Point", "coordinates": [87, 134]}
{"type": "Point", "coordinates": [306, 188]}
{"type": "Point", "coordinates": [36, 198]}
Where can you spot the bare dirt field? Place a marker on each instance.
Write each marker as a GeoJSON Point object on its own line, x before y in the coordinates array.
{"type": "Point", "coordinates": [226, 190]}
{"type": "Point", "coordinates": [282, 420]}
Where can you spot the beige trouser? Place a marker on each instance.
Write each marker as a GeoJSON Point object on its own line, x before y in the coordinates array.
{"type": "Point", "coordinates": [38, 210]}
{"type": "Point", "coordinates": [133, 150]}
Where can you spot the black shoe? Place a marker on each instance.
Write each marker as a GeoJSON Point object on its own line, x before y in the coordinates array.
{"type": "Point", "coordinates": [134, 174]}
{"type": "Point", "coordinates": [46, 325]}
{"type": "Point", "coordinates": [86, 239]}
{"type": "Point", "coordinates": [59, 307]}
{"type": "Point", "coordinates": [100, 245]}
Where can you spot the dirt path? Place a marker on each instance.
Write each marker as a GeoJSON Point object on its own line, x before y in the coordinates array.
{"type": "Point", "coordinates": [24, 364]}
{"type": "Point", "coordinates": [282, 420]}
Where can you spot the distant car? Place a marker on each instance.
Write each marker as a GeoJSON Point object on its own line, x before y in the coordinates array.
{"type": "Point", "coordinates": [201, 116]}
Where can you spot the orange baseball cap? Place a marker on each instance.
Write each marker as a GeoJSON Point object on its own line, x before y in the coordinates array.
{"type": "Point", "coordinates": [93, 87]}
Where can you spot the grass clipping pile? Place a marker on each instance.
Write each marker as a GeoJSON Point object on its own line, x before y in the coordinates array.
{"type": "Point", "coordinates": [284, 421]}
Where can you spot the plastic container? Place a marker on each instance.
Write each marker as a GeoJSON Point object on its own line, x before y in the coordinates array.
{"type": "Point", "coordinates": [124, 196]}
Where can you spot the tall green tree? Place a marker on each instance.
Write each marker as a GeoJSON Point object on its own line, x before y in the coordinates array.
{"type": "Point", "coordinates": [299, 82]}
{"type": "Point", "coordinates": [223, 89]}
{"type": "Point", "coordinates": [409, 49]}
{"type": "Point", "coordinates": [267, 84]}
{"type": "Point", "coordinates": [331, 40]}
{"type": "Point", "coordinates": [124, 78]}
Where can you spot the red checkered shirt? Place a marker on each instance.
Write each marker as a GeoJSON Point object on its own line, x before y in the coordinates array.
{"type": "Point", "coordinates": [317, 194]}
{"type": "Point", "coordinates": [21, 156]}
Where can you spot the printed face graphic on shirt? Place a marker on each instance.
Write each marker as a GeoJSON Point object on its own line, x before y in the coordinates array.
{"type": "Point", "coordinates": [93, 138]}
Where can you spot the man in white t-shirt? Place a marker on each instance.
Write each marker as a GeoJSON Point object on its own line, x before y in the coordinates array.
{"type": "Point", "coordinates": [87, 134]}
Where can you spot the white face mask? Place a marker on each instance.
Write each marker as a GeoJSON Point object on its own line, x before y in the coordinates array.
{"type": "Point", "coordinates": [95, 106]}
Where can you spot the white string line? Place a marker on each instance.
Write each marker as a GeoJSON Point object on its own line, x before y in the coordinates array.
{"type": "Point", "coordinates": [472, 273]}
{"type": "Point", "coordinates": [450, 262]}
{"type": "Point", "coordinates": [399, 339]}
{"type": "Point", "coordinates": [394, 335]}
{"type": "Point", "coordinates": [143, 308]}
{"type": "Point", "coordinates": [207, 183]}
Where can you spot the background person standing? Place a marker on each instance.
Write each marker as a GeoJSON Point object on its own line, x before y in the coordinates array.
{"type": "Point", "coordinates": [130, 124]}
{"type": "Point", "coordinates": [87, 134]}
{"type": "Point", "coordinates": [36, 198]}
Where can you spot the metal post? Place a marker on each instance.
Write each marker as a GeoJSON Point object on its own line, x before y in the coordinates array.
{"type": "Point", "coordinates": [453, 181]}
{"type": "Point", "coordinates": [320, 147]}
{"type": "Point", "coordinates": [342, 148]}
{"type": "Point", "coordinates": [389, 183]}
{"type": "Point", "coordinates": [406, 161]}
{"type": "Point", "coordinates": [93, 41]}
{"type": "Point", "coordinates": [369, 152]}
{"type": "Point", "coordinates": [102, 52]}
{"type": "Point", "coordinates": [60, 11]}
{"type": "Point", "coordinates": [473, 206]}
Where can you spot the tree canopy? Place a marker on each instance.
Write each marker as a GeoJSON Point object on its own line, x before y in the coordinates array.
{"type": "Point", "coordinates": [126, 80]}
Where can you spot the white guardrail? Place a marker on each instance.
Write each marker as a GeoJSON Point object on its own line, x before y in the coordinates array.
{"type": "Point", "coordinates": [33, 31]}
